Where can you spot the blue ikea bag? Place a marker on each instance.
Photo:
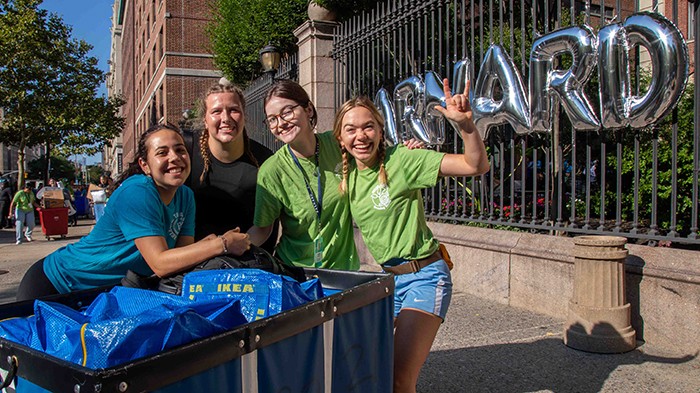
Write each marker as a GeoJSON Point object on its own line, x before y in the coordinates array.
{"type": "Point", "coordinates": [122, 325]}
{"type": "Point", "coordinates": [261, 293]}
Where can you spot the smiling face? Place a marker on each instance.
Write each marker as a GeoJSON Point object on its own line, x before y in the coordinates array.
{"type": "Point", "coordinates": [224, 119]}
{"type": "Point", "coordinates": [167, 162]}
{"type": "Point", "coordinates": [360, 135]}
{"type": "Point", "coordinates": [298, 118]}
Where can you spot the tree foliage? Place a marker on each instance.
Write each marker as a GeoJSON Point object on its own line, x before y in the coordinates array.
{"type": "Point", "coordinates": [243, 27]}
{"type": "Point", "coordinates": [48, 85]}
{"type": "Point", "coordinates": [344, 9]}
{"type": "Point", "coordinates": [61, 168]}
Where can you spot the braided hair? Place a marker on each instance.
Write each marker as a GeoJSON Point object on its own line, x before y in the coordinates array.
{"type": "Point", "coordinates": [364, 102]}
{"type": "Point", "coordinates": [134, 167]}
{"type": "Point", "coordinates": [204, 135]}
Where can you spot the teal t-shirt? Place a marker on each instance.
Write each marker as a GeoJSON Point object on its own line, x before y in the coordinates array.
{"type": "Point", "coordinates": [391, 217]}
{"type": "Point", "coordinates": [281, 193]}
{"type": "Point", "coordinates": [102, 257]}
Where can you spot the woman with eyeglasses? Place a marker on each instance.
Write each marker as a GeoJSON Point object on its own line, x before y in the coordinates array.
{"type": "Point", "coordinates": [299, 186]}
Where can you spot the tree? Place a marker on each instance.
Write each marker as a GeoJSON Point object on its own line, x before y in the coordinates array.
{"type": "Point", "coordinates": [61, 168]}
{"type": "Point", "coordinates": [48, 85]}
{"type": "Point", "coordinates": [243, 27]}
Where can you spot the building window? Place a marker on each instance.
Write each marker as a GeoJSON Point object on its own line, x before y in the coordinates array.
{"type": "Point", "coordinates": [596, 11]}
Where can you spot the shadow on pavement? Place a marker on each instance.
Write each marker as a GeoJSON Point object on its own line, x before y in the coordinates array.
{"type": "Point", "coordinates": [7, 236]}
{"type": "Point", "coordinates": [543, 365]}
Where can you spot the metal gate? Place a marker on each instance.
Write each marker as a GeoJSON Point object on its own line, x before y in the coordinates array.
{"type": "Point", "coordinates": [255, 97]}
{"type": "Point", "coordinates": [638, 183]}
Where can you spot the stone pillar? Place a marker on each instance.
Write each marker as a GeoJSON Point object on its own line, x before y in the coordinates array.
{"type": "Point", "coordinates": [316, 67]}
{"type": "Point", "coordinates": [599, 315]}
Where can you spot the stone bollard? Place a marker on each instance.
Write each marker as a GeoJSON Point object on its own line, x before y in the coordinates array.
{"type": "Point", "coordinates": [599, 315]}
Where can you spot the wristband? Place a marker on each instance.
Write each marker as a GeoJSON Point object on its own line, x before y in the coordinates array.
{"type": "Point", "coordinates": [223, 243]}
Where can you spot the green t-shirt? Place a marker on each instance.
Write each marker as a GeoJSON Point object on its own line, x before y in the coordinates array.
{"type": "Point", "coordinates": [24, 200]}
{"type": "Point", "coordinates": [392, 218]}
{"type": "Point", "coordinates": [281, 193]}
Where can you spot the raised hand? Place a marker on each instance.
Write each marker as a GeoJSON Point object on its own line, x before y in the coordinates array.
{"type": "Point", "coordinates": [458, 109]}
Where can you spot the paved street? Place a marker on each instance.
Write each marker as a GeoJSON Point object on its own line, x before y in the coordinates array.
{"type": "Point", "coordinates": [482, 347]}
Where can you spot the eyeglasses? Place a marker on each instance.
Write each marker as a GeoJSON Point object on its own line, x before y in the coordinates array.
{"type": "Point", "coordinates": [287, 114]}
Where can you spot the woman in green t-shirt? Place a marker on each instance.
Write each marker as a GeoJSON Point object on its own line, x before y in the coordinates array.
{"type": "Point", "coordinates": [22, 206]}
{"type": "Point", "coordinates": [299, 186]}
{"type": "Point", "coordinates": [384, 187]}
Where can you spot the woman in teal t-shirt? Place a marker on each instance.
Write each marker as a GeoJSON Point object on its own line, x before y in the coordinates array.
{"type": "Point", "coordinates": [148, 227]}
{"type": "Point", "coordinates": [384, 186]}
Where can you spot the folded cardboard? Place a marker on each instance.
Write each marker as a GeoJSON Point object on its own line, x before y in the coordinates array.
{"type": "Point", "coordinates": [52, 197]}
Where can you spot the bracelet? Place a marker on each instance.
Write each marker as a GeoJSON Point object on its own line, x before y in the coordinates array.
{"type": "Point", "coordinates": [223, 243]}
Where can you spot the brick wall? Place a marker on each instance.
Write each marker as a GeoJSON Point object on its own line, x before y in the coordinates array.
{"type": "Point", "coordinates": [167, 63]}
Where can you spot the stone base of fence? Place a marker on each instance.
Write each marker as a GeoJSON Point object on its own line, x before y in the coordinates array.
{"type": "Point", "coordinates": [536, 272]}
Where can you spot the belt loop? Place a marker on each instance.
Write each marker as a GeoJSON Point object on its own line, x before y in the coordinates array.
{"type": "Point", "coordinates": [415, 266]}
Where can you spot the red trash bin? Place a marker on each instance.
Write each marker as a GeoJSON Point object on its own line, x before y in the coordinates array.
{"type": "Point", "coordinates": [54, 222]}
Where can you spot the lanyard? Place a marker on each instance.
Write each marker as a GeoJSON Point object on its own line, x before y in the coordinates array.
{"type": "Point", "coordinates": [317, 203]}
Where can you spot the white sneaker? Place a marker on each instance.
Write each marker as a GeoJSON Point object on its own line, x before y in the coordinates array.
{"type": "Point", "coordinates": [29, 238]}
{"type": "Point", "coordinates": [18, 242]}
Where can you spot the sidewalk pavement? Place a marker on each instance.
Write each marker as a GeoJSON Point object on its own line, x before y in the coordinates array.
{"type": "Point", "coordinates": [483, 346]}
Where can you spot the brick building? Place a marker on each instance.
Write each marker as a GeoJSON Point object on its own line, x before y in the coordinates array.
{"type": "Point", "coordinates": [161, 62]}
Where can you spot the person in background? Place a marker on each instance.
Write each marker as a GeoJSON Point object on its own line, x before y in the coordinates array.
{"type": "Point", "coordinates": [5, 202]}
{"type": "Point", "coordinates": [225, 165]}
{"type": "Point", "coordinates": [23, 204]}
{"type": "Point", "coordinates": [148, 227]}
{"type": "Point", "coordinates": [105, 181]}
{"type": "Point", "coordinates": [384, 187]}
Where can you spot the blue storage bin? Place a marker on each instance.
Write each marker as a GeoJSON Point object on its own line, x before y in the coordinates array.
{"type": "Point", "coordinates": [341, 342]}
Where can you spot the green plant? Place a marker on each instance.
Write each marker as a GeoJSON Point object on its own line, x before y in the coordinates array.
{"type": "Point", "coordinates": [242, 27]}
{"type": "Point", "coordinates": [344, 9]}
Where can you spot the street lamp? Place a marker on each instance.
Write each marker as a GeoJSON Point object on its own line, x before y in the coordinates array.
{"type": "Point", "coordinates": [270, 59]}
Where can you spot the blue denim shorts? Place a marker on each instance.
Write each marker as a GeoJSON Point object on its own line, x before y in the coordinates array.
{"type": "Point", "coordinates": [429, 289]}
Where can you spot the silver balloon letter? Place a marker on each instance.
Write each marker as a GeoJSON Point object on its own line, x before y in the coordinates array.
{"type": "Point", "coordinates": [614, 74]}
{"type": "Point", "coordinates": [669, 59]}
{"type": "Point", "coordinates": [386, 107]}
{"type": "Point", "coordinates": [461, 74]}
{"type": "Point", "coordinates": [568, 85]}
{"type": "Point", "coordinates": [434, 95]}
{"type": "Point", "coordinates": [409, 98]}
{"type": "Point", "coordinates": [513, 107]}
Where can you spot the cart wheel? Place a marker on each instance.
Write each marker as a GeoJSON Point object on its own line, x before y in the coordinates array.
{"type": "Point", "coordinates": [63, 236]}
{"type": "Point", "coordinates": [48, 238]}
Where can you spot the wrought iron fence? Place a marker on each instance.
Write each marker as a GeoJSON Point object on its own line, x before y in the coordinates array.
{"type": "Point", "coordinates": [641, 184]}
{"type": "Point", "coordinates": [255, 97]}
